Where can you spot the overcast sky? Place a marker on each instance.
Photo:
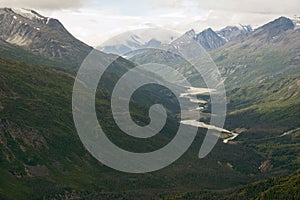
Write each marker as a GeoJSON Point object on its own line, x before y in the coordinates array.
{"type": "Point", "coordinates": [94, 21]}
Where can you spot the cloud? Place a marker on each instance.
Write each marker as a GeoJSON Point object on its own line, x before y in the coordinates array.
{"type": "Point", "coordinates": [217, 14]}
{"type": "Point", "coordinates": [247, 6]}
{"type": "Point", "coordinates": [218, 19]}
{"type": "Point", "coordinates": [44, 4]}
{"type": "Point", "coordinates": [95, 21]}
{"type": "Point", "coordinates": [255, 6]}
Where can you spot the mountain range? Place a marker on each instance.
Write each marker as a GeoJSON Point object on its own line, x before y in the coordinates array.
{"type": "Point", "coordinates": [153, 38]}
{"type": "Point", "coordinates": [42, 157]}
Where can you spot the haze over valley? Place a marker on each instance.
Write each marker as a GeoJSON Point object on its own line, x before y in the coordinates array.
{"type": "Point", "coordinates": [254, 138]}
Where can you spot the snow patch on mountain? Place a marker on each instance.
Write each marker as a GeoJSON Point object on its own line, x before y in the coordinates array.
{"type": "Point", "coordinates": [27, 13]}
{"type": "Point", "coordinates": [230, 33]}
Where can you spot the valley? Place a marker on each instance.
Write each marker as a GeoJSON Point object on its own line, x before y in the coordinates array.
{"type": "Point", "coordinates": [256, 156]}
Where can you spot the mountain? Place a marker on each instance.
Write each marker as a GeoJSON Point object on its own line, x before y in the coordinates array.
{"type": "Point", "coordinates": [274, 28]}
{"type": "Point", "coordinates": [209, 39]}
{"type": "Point", "coordinates": [270, 51]}
{"type": "Point", "coordinates": [138, 39]}
{"type": "Point", "coordinates": [135, 42]}
{"type": "Point", "coordinates": [42, 157]}
{"type": "Point", "coordinates": [230, 33]}
{"type": "Point", "coordinates": [261, 72]}
{"type": "Point", "coordinates": [16, 53]}
{"type": "Point", "coordinates": [41, 35]}
{"type": "Point", "coordinates": [257, 56]}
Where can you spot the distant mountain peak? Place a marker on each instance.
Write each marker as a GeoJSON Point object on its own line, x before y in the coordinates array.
{"type": "Point", "coordinates": [135, 40]}
{"type": "Point", "coordinates": [191, 33]}
{"type": "Point", "coordinates": [230, 33]}
{"type": "Point", "coordinates": [208, 30]}
{"type": "Point", "coordinates": [282, 23]}
{"type": "Point", "coordinates": [210, 40]}
{"type": "Point", "coordinates": [246, 28]}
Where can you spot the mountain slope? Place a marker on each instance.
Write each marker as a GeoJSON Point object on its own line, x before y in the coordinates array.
{"type": "Point", "coordinates": [41, 154]}
{"type": "Point", "coordinates": [276, 103]}
{"type": "Point", "coordinates": [15, 53]}
{"type": "Point", "coordinates": [274, 188]}
{"type": "Point", "coordinates": [254, 58]}
{"type": "Point", "coordinates": [262, 55]}
{"type": "Point", "coordinates": [270, 30]}
{"type": "Point", "coordinates": [41, 35]}
{"type": "Point", "coordinates": [262, 80]}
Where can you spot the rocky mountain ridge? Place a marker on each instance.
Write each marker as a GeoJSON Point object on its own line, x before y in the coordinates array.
{"type": "Point", "coordinates": [41, 35]}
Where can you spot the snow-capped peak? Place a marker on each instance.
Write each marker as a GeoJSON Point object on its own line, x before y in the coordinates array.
{"type": "Point", "coordinates": [143, 36]}
{"type": "Point", "coordinates": [245, 28]}
{"type": "Point", "coordinates": [27, 13]}
{"type": "Point", "coordinates": [138, 39]}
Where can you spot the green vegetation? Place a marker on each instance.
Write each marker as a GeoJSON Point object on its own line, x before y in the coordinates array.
{"type": "Point", "coordinates": [274, 188]}
{"type": "Point", "coordinates": [272, 104]}
{"type": "Point", "coordinates": [254, 60]}
{"type": "Point", "coordinates": [41, 154]}
{"type": "Point", "coordinates": [15, 53]}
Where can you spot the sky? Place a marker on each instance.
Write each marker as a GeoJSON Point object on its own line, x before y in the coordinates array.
{"type": "Point", "coordinates": [95, 21]}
